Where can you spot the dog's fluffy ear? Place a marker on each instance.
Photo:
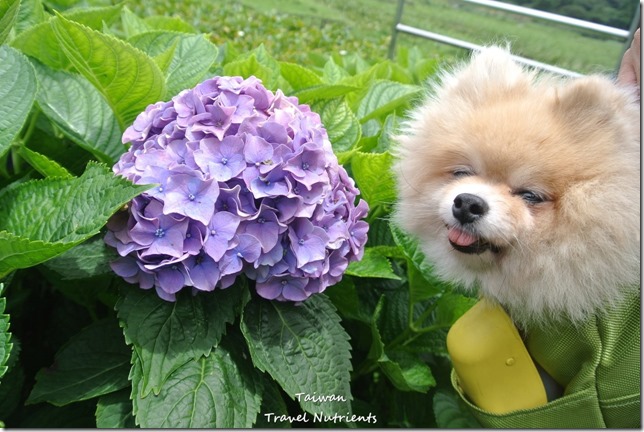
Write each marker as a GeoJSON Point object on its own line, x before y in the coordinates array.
{"type": "Point", "coordinates": [490, 73]}
{"type": "Point", "coordinates": [591, 100]}
{"type": "Point", "coordinates": [592, 104]}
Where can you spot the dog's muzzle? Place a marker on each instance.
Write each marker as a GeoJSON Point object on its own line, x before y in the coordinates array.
{"type": "Point", "coordinates": [468, 209]}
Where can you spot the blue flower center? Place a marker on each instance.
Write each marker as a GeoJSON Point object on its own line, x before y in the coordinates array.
{"type": "Point", "coordinates": [159, 232]}
{"type": "Point", "coordinates": [305, 165]}
{"type": "Point", "coordinates": [224, 161]}
{"type": "Point", "coordinates": [160, 189]}
{"type": "Point", "coordinates": [213, 232]}
{"type": "Point", "coordinates": [191, 197]}
{"type": "Point", "coordinates": [284, 283]}
{"type": "Point", "coordinates": [301, 241]}
{"type": "Point", "coordinates": [261, 220]}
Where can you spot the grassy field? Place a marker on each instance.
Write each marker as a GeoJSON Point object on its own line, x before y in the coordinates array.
{"type": "Point", "coordinates": [300, 30]}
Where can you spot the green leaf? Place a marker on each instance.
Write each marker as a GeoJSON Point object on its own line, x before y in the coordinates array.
{"type": "Point", "coordinates": [65, 210]}
{"type": "Point", "coordinates": [304, 348]}
{"type": "Point", "coordinates": [5, 336]}
{"type": "Point", "coordinates": [78, 415]}
{"type": "Point", "coordinates": [373, 264]}
{"type": "Point", "coordinates": [128, 79]}
{"type": "Point", "coordinates": [428, 285]}
{"type": "Point", "coordinates": [74, 105]}
{"type": "Point", "coordinates": [95, 17]}
{"type": "Point", "coordinates": [345, 298]}
{"type": "Point", "coordinates": [167, 335]}
{"type": "Point", "coordinates": [11, 385]}
{"type": "Point", "coordinates": [250, 67]}
{"type": "Point", "coordinates": [372, 173]}
{"type": "Point", "coordinates": [389, 129]}
{"type": "Point", "coordinates": [94, 362]}
{"type": "Point", "coordinates": [333, 73]}
{"type": "Point", "coordinates": [341, 124]}
{"type": "Point", "coordinates": [31, 13]}
{"type": "Point", "coordinates": [323, 91]}
{"type": "Point", "coordinates": [19, 252]}
{"type": "Point", "coordinates": [407, 372]}
{"type": "Point", "coordinates": [451, 412]}
{"type": "Point", "coordinates": [132, 24]}
{"type": "Point", "coordinates": [298, 76]}
{"type": "Point", "coordinates": [164, 60]}
{"type": "Point", "coordinates": [8, 15]}
{"type": "Point", "coordinates": [43, 218]}
{"type": "Point", "coordinates": [169, 23]}
{"type": "Point", "coordinates": [40, 42]}
{"type": "Point", "coordinates": [217, 391]}
{"type": "Point", "coordinates": [377, 349]}
{"type": "Point", "coordinates": [86, 260]}
{"type": "Point", "coordinates": [450, 307]}
{"type": "Point", "coordinates": [272, 403]}
{"type": "Point", "coordinates": [192, 56]}
{"type": "Point", "coordinates": [411, 410]}
{"type": "Point", "coordinates": [43, 164]}
{"type": "Point", "coordinates": [17, 94]}
{"type": "Point", "coordinates": [384, 96]}
{"type": "Point", "coordinates": [395, 314]}
{"type": "Point", "coordinates": [114, 411]}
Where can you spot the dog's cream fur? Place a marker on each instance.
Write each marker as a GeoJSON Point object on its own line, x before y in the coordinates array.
{"type": "Point", "coordinates": [503, 131]}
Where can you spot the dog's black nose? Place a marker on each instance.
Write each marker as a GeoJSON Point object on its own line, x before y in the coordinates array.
{"type": "Point", "coordinates": [467, 208]}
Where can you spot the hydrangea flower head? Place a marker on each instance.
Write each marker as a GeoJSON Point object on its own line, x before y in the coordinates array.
{"type": "Point", "coordinates": [246, 184]}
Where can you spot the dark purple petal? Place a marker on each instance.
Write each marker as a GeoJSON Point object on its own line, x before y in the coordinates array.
{"type": "Point", "coordinates": [308, 242]}
{"type": "Point", "coordinates": [171, 278]}
{"type": "Point", "coordinates": [204, 272]}
{"type": "Point", "coordinates": [265, 227]}
{"type": "Point", "coordinates": [246, 249]}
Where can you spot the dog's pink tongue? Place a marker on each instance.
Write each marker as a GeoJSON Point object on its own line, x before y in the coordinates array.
{"type": "Point", "coordinates": [460, 237]}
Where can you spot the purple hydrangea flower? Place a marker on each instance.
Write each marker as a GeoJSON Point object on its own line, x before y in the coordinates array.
{"type": "Point", "coordinates": [246, 183]}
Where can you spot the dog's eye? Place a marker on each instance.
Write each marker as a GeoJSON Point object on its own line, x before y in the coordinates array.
{"type": "Point", "coordinates": [530, 197]}
{"type": "Point", "coordinates": [462, 172]}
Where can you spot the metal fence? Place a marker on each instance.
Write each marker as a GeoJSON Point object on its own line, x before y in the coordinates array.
{"type": "Point", "coordinates": [627, 35]}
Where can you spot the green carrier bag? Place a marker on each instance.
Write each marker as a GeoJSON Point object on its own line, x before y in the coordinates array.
{"type": "Point", "coordinates": [598, 365]}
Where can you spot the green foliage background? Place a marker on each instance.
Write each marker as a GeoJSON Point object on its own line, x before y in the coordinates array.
{"type": "Point", "coordinates": [81, 348]}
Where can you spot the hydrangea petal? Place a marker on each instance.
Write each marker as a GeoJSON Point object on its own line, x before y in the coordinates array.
{"type": "Point", "coordinates": [246, 183]}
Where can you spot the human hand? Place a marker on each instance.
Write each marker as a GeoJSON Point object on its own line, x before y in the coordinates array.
{"type": "Point", "coordinates": [629, 70]}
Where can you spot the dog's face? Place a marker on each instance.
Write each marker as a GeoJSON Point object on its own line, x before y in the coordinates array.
{"type": "Point", "coordinates": [528, 190]}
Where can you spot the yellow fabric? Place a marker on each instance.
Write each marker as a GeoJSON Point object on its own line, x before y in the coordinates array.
{"type": "Point", "coordinates": [493, 364]}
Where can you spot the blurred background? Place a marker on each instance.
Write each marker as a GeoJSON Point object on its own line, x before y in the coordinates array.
{"type": "Point", "coordinates": [305, 31]}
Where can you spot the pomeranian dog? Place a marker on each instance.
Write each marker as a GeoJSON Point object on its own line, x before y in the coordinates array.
{"type": "Point", "coordinates": [525, 187]}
